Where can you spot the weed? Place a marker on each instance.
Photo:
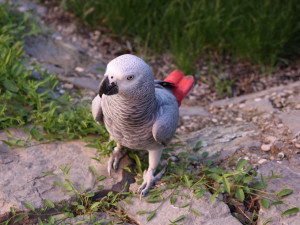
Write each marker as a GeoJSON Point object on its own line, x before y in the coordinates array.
{"type": "Point", "coordinates": [83, 204]}
{"type": "Point", "coordinates": [27, 100]}
{"type": "Point", "coordinates": [260, 31]}
{"type": "Point", "coordinates": [239, 187]}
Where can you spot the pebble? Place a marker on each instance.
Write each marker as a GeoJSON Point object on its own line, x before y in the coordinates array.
{"type": "Point", "coordinates": [265, 147]}
{"type": "Point", "coordinates": [257, 99]}
{"type": "Point", "coordinates": [297, 106]}
{"type": "Point", "coordinates": [59, 38]}
{"type": "Point", "coordinates": [61, 91]}
{"type": "Point", "coordinates": [272, 158]}
{"type": "Point", "coordinates": [68, 86]}
{"type": "Point", "coordinates": [280, 155]}
{"type": "Point", "coordinates": [242, 105]}
{"type": "Point", "coordinates": [214, 120]}
{"type": "Point", "coordinates": [297, 145]}
{"type": "Point", "coordinates": [270, 139]}
{"type": "Point", "coordinates": [261, 161]}
{"type": "Point", "coordinates": [279, 145]}
{"type": "Point", "coordinates": [79, 69]}
{"type": "Point", "coordinates": [239, 119]}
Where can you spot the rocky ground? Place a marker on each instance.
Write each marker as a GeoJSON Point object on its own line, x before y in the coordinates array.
{"type": "Point", "coordinates": [262, 127]}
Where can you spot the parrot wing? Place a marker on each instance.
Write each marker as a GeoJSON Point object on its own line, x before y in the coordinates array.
{"type": "Point", "coordinates": [166, 121]}
{"type": "Point", "coordinates": [97, 110]}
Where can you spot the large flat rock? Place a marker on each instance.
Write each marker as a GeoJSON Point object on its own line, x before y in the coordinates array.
{"type": "Point", "coordinates": [216, 213]}
{"type": "Point", "coordinates": [21, 178]}
{"type": "Point", "coordinates": [223, 141]}
{"type": "Point", "coordinates": [290, 172]}
{"type": "Point", "coordinates": [292, 120]}
{"type": "Point", "coordinates": [253, 96]}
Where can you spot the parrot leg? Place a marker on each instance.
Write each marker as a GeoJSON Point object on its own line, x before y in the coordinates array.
{"type": "Point", "coordinates": [148, 176]}
{"type": "Point", "coordinates": [115, 157]}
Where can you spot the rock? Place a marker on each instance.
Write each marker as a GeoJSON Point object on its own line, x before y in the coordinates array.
{"type": "Point", "coordinates": [223, 141]}
{"type": "Point", "coordinates": [21, 178]}
{"type": "Point", "coordinates": [79, 69]}
{"type": "Point", "coordinates": [290, 173]}
{"type": "Point", "coordinates": [280, 155]}
{"type": "Point", "coordinates": [279, 145]}
{"type": "Point", "coordinates": [265, 147]}
{"type": "Point", "coordinates": [253, 96]}
{"type": "Point", "coordinates": [215, 213]}
{"type": "Point", "coordinates": [82, 82]}
{"type": "Point", "coordinates": [51, 50]}
{"type": "Point", "coordinates": [68, 86]}
{"type": "Point", "coordinates": [297, 145]}
{"type": "Point", "coordinates": [292, 120]}
{"type": "Point", "coordinates": [270, 139]}
{"type": "Point", "coordinates": [297, 106]}
{"type": "Point", "coordinates": [193, 111]}
{"type": "Point", "coordinates": [261, 161]}
{"type": "Point", "coordinates": [27, 6]}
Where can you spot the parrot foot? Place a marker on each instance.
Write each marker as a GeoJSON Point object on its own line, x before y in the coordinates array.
{"type": "Point", "coordinates": [150, 180]}
{"type": "Point", "coordinates": [114, 158]}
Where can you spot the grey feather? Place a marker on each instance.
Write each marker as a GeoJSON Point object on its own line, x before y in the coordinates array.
{"type": "Point", "coordinates": [97, 110]}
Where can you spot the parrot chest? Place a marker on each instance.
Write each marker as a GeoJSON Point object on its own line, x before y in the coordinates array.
{"type": "Point", "coordinates": [130, 125]}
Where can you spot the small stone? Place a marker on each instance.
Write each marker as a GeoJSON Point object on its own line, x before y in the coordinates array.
{"type": "Point", "coordinates": [280, 155]}
{"type": "Point", "coordinates": [214, 120]}
{"type": "Point", "coordinates": [270, 139]}
{"type": "Point", "coordinates": [272, 158]}
{"type": "Point", "coordinates": [261, 161]}
{"type": "Point", "coordinates": [68, 86]}
{"type": "Point", "coordinates": [58, 38]}
{"type": "Point", "coordinates": [279, 145]}
{"type": "Point", "coordinates": [61, 91]}
{"type": "Point", "coordinates": [257, 99]}
{"type": "Point", "coordinates": [186, 117]}
{"type": "Point", "coordinates": [239, 119]}
{"type": "Point", "coordinates": [265, 147]}
{"type": "Point", "coordinates": [242, 105]}
{"type": "Point", "coordinates": [297, 106]}
{"type": "Point", "coordinates": [297, 145]}
{"type": "Point", "coordinates": [79, 69]}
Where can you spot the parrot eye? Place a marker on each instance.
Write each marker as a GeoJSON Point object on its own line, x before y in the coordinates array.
{"type": "Point", "coordinates": [130, 77]}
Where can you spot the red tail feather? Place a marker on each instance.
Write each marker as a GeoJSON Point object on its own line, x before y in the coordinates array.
{"type": "Point", "coordinates": [183, 84]}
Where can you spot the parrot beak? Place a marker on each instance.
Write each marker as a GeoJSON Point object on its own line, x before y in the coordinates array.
{"type": "Point", "coordinates": [107, 88]}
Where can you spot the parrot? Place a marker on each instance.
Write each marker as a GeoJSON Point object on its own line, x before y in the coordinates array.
{"type": "Point", "coordinates": [139, 112]}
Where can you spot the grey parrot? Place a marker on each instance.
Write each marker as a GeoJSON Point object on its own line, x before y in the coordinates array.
{"type": "Point", "coordinates": [138, 111]}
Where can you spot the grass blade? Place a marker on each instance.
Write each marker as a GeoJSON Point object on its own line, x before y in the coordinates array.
{"type": "Point", "coordinates": [290, 211]}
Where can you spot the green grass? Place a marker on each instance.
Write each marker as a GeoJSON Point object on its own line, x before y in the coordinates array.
{"type": "Point", "coordinates": [27, 100]}
{"type": "Point", "coordinates": [259, 31]}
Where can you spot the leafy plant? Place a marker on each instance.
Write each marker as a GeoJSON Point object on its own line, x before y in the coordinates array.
{"type": "Point", "coordinates": [240, 186]}
{"type": "Point", "coordinates": [83, 204]}
{"type": "Point", "coordinates": [257, 31]}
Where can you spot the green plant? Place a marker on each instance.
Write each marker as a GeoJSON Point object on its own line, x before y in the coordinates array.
{"type": "Point", "coordinates": [82, 204]}
{"type": "Point", "coordinates": [241, 186]}
{"type": "Point", "coordinates": [26, 99]}
{"type": "Point", "coordinates": [257, 31]}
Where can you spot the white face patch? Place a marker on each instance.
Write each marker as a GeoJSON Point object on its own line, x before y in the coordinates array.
{"type": "Point", "coordinates": [128, 72]}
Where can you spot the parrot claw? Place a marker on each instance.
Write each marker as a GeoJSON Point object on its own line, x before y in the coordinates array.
{"type": "Point", "coordinates": [150, 180]}
{"type": "Point", "coordinates": [114, 159]}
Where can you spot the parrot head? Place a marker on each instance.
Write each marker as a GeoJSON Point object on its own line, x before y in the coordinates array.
{"type": "Point", "coordinates": [128, 76]}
